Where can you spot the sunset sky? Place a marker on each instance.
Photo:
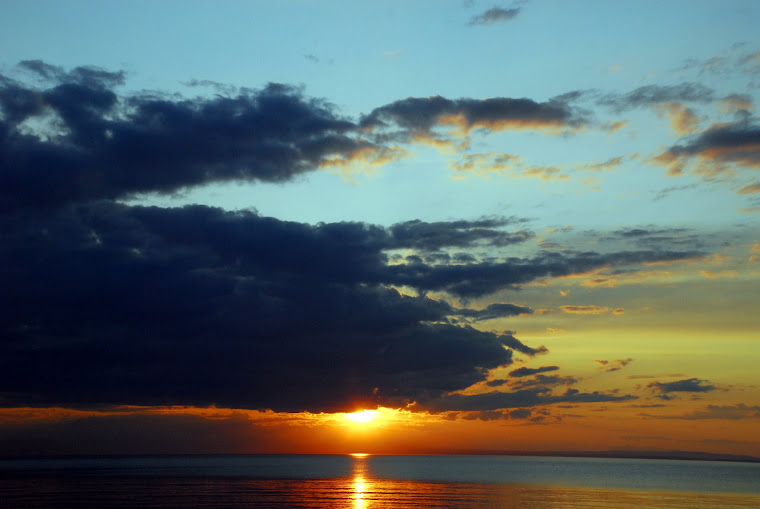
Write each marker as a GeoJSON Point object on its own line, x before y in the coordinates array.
{"type": "Point", "coordinates": [382, 227]}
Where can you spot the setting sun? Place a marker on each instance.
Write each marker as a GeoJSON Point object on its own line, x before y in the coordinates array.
{"type": "Point", "coordinates": [362, 416]}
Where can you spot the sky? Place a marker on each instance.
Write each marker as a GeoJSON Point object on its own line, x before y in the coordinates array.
{"type": "Point", "coordinates": [380, 227]}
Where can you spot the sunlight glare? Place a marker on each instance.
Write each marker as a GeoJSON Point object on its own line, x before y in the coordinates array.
{"type": "Point", "coordinates": [362, 416]}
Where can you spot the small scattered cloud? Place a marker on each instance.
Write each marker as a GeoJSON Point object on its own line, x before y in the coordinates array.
{"type": "Point", "coordinates": [543, 381]}
{"type": "Point", "coordinates": [683, 120]}
{"type": "Point", "coordinates": [610, 164]}
{"type": "Point", "coordinates": [483, 165]}
{"type": "Point", "coordinates": [715, 412]}
{"type": "Point", "coordinates": [736, 102]}
{"type": "Point", "coordinates": [750, 189]}
{"type": "Point", "coordinates": [421, 115]}
{"type": "Point", "coordinates": [615, 126]}
{"type": "Point", "coordinates": [614, 365]}
{"type": "Point", "coordinates": [751, 63]}
{"type": "Point", "coordinates": [520, 372]}
{"type": "Point", "coordinates": [495, 15]}
{"type": "Point", "coordinates": [737, 143]}
{"type": "Point", "coordinates": [664, 193]}
{"type": "Point", "coordinates": [689, 385]}
{"type": "Point", "coordinates": [655, 95]}
{"type": "Point", "coordinates": [640, 377]}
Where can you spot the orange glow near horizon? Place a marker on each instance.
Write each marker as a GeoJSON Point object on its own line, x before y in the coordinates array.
{"type": "Point", "coordinates": [725, 425]}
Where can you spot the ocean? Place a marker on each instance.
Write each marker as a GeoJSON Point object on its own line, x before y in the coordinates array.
{"type": "Point", "coordinates": [365, 482]}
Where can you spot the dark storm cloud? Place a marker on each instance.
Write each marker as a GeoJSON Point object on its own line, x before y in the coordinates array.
{"type": "Point", "coordinates": [110, 304]}
{"type": "Point", "coordinates": [520, 372]}
{"type": "Point", "coordinates": [495, 15]}
{"type": "Point", "coordinates": [652, 95]}
{"type": "Point", "coordinates": [100, 145]}
{"type": "Point", "coordinates": [422, 114]}
{"type": "Point", "coordinates": [688, 385]}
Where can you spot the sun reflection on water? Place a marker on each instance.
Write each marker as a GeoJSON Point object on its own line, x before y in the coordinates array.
{"type": "Point", "coordinates": [359, 479]}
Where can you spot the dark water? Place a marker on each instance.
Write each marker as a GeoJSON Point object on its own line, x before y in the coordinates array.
{"type": "Point", "coordinates": [377, 482]}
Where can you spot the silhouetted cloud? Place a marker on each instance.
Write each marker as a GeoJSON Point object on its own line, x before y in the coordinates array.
{"type": "Point", "coordinates": [496, 310]}
{"type": "Point", "coordinates": [544, 381]}
{"type": "Point", "coordinates": [518, 399]}
{"type": "Point", "coordinates": [688, 385]}
{"type": "Point", "coordinates": [431, 236]}
{"type": "Point", "coordinates": [422, 114]}
{"type": "Point", "coordinates": [647, 232]}
{"type": "Point", "coordinates": [112, 304]}
{"type": "Point", "coordinates": [87, 75]}
{"type": "Point", "coordinates": [486, 277]}
{"type": "Point", "coordinates": [725, 143]}
{"type": "Point", "coordinates": [109, 304]}
{"type": "Point", "coordinates": [101, 145]}
{"type": "Point", "coordinates": [496, 415]}
{"type": "Point", "coordinates": [520, 372]}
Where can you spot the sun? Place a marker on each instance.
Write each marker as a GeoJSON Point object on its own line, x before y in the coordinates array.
{"type": "Point", "coordinates": [362, 416]}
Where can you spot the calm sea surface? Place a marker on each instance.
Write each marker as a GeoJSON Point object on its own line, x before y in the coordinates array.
{"type": "Point", "coordinates": [377, 482]}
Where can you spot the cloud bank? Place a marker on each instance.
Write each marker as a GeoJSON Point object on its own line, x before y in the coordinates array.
{"type": "Point", "coordinates": [113, 304]}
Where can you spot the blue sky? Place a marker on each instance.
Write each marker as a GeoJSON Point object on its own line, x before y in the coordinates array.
{"type": "Point", "coordinates": [362, 55]}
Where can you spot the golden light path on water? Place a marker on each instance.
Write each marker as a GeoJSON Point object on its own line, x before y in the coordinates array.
{"type": "Point", "coordinates": [367, 491]}
{"type": "Point", "coordinates": [359, 480]}
{"type": "Point", "coordinates": [372, 482]}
